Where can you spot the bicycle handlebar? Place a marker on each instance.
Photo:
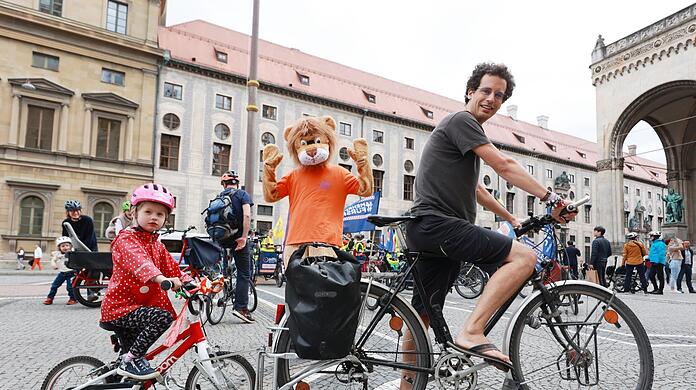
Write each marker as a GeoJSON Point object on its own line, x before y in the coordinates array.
{"type": "Point", "coordinates": [537, 222]}
{"type": "Point", "coordinates": [167, 284]}
{"type": "Point", "coordinates": [573, 207]}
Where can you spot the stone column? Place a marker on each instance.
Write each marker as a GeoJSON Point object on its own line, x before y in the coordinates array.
{"type": "Point", "coordinates": [87, 132]}
{"type": "Point", "coordinates": [63, 129]}
{"type": "Point", "coordinates": [14, 120]}
{"type": "Point", "coordinates": [609, 195]}
{"type": "Point", "coordinates": [128, 155]}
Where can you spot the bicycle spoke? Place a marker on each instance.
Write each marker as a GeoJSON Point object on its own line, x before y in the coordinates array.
{"type": "Point", "coordinates": [601, 356]}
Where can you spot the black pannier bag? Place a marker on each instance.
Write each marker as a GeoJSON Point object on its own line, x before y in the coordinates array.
{"type": "Point", "coordinates": [202, 253]}
{"type": "Point", "coordinates": [323, 297]}
{"type": "Point", "coordinates": [93, 261]}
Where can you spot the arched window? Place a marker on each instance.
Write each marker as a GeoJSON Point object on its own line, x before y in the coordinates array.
{"type": "Point", "coordinates": [267, 138]}
{"type": "Point", "coordinates": [103, 213]}
{"type": "Point", "coordinates": [171, 121]}
{"type": "Point", "coordinates": [408, 166]}
{"type": "Point", "coordinates": [377, 160]}
{"type": "Point", "coordinates": [343, 154]}
{"type": "Point", "coordinates": [222, 131]}
{"type": "Point", "coordinates": [31, 210]}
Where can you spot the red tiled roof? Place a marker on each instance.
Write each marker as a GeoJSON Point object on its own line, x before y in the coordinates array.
{"type": "Point", "coordinates": [196, 42]}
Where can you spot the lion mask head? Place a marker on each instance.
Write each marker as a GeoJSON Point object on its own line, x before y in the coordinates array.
{"type": "Point", "coordinates": [311, 141]}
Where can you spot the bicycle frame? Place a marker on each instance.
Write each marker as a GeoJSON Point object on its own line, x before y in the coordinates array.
{"type": "Point", "coordinates": [192, 336]}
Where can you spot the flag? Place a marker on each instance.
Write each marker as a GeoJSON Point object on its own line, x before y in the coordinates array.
{"type": "Point", "coordinates": [278, 230]}
{"type": "Point", "coordinates": [355, 214]}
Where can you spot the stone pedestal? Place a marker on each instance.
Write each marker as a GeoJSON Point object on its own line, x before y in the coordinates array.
{"type": "Point", "coordinates": [679, 230]}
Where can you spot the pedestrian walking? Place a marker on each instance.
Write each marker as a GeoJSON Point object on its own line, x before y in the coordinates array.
{"type": "Point", "coordinates": [633, 253]}
{"type": "Point", "coordinates": [38, 253]}
{"type": "Point", "coordinates": [572, 254]}
{"type": "Point", "coordinates": [657, 256]}
{"type": "Point", "coordinates": [20, 258]}
{"type": "Point", "coordinates": [675, 258]}
{"type": "Point", "coordinates": [65, 274]}
{"type": "Point", "coordinates": [687, 265]}
{"type": "Point", "coordinates": [601, 250]}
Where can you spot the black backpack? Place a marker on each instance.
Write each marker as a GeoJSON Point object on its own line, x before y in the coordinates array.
{"type": "Point", "coordinates": [323, 297]}
{"type": "Point", "coordinates": [221, 220]}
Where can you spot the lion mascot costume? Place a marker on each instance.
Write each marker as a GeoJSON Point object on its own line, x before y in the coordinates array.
{"type": "Point", "coordinates": [317, 188]}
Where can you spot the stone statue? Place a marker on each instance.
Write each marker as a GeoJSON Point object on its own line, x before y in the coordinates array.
{"type": "Point", "coordinates": [562, 181]}
{"type": "Point", "coordinates": [674, 206]}
{"type": "Point", "coordinates": [647, 224]}
{"type": "Point", "coordinates": [634, 223]}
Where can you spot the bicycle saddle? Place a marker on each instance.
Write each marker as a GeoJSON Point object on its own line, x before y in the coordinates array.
{"type": "Point", "coordinates": [380, 221]}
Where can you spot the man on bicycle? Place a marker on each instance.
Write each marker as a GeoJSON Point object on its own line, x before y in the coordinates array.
{"type": "Point", "coordinates": [447, 190]}
{"type": "Point", "coordinates": [241, 202]}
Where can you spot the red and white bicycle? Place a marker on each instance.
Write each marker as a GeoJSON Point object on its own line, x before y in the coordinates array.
{"type": "Point", "coordinates": [212, 370]}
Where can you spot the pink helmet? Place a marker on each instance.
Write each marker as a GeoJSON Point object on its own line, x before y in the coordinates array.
{"type": "Point", "coordinates": [152, 192]}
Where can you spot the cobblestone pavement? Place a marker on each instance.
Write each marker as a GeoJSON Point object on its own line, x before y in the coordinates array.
{"type": "Point", "coordinates": [37, 337]}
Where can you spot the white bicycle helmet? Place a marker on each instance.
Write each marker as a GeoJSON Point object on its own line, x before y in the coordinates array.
{"type": "Point", "coordinates": [655, 233]}
{"type": "Point", "coordinates": [632, 235]}
{"type": "Point", "coordinates": [63, 240]}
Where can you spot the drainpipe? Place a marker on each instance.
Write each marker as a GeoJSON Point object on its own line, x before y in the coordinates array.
{"type": "Point", "coordinates": [362, 123]}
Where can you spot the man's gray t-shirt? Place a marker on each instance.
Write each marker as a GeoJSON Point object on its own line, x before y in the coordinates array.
{"type": "Point", "coordinates": [448, 171]}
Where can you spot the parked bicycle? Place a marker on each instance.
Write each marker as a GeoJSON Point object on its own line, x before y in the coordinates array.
{"type": "Point", "coordinates": [551, 345]}
{"type": "Point", "coordinates": [213, 369]}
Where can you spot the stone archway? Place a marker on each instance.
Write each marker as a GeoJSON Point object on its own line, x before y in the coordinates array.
{"type": "Point", "coordinates": [648, 76]}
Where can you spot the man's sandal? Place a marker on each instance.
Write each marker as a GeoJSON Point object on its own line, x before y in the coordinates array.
{"type": "Point", "coordinates": [478, 351]}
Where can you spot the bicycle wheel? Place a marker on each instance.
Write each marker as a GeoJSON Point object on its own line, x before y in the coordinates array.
{"type": "Point", "coordinates": [216, 305]}
{"type": "Point", "coordinates": [73, 372]}
{"type": "Point", "coordinates": [89, 296]}
{"type": "Point", "coordinates": [236, 372]}
{"type": "Point", "coordinates": [470, 281]}
{"type": "Point", "coordinates": [610, 356]}
{"type": "Point", "coordinates": [383, 343]}
{"type": "Point", "coordinates": [251, 306]}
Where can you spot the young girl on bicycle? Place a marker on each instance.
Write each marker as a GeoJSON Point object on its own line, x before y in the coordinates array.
{"type": "Point", "coordinates": [134, 301]}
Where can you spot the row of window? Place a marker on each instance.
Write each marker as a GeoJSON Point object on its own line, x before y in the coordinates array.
{"type": "Point", "coordinates": [522, 139]}
{"type": "Point", "coordinates": [659, 196]}
{"type": "Point", "coordinates": [549, 175]}
{"type": "Point", "coordinates": [40, 130]}
{"type": "Point", "coordinates": [46, 61]}
{"type": "Point", "coordinates": [32, 210]}
{"type": "Point", "coordinates": [222, 102]}
{"type": "Point", "coordinates": [116, 13]}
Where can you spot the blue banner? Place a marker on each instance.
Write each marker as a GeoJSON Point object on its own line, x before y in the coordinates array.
{"type": "Point", "coordinates": [355, 214]}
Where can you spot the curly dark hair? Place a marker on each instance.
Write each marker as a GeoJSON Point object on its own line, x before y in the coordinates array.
{"type": "Point", "coordinates": [484, 68]}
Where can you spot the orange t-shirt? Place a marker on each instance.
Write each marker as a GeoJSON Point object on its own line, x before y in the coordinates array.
{"type": "Point", "coordinates": [317, 198]}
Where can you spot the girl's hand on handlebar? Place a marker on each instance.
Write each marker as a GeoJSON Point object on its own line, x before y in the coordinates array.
{"type": "Point", "coordinates": [176, 282]}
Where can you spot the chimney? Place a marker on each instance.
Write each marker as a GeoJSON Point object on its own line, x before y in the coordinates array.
{"type": "Point", "coordinates": [512, 111]}
{"type": "Point", "coordinates": [632, 150]}
{"type": "Point", "coordinates": [543, 121]}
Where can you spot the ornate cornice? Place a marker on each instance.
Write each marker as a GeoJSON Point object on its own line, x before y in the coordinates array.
{"type": "Point", "coordinates": [668, 36]}
{"type": "Point", "coordinates": [610, 163]}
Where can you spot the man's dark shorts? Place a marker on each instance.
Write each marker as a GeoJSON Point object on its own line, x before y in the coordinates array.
{"type": "Point", "coordinates": [454, 240]}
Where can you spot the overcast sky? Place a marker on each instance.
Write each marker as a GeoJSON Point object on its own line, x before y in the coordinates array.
{"type": "Point", "coordinates": [435, 44]}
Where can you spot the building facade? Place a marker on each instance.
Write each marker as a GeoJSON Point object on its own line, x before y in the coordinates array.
{"type": "Point", "coordinates": [78, 80]}
{"type": "Point", "coordinates": [201, 127]}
